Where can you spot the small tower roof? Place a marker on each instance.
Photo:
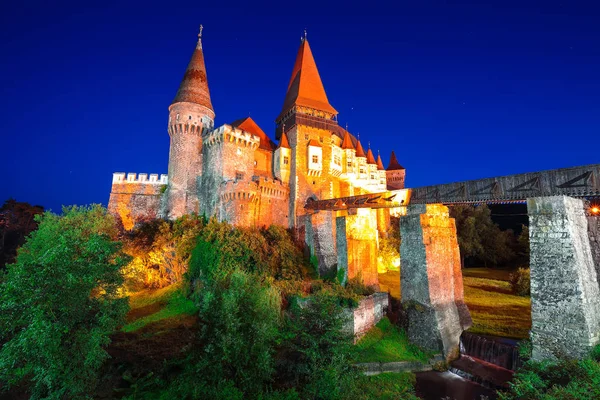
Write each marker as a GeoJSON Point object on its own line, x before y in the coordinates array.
{"type": "Point", "coordinates": [347, 143]}
{"type": "Point", "coordinates": [360, 152]}
{"type": "Point", "coordinates": [314, 143]}
{"type": "Point", "coordinates": [379, 163]}
{"type": "Point", "coordinates": [284, 141]}
{"type": "Point", "coordinates": [194, 86]}
{"type": "Point", "coordinates": [247, 124]}
{"type": "Point", "coordinates": [305, 87]}
{"type": "Point", "coordinates": [394, 164]}
{"type": "Point", "coordinates": [370, 158]}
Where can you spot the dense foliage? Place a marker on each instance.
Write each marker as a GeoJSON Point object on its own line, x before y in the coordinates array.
{"type": "Point", "coordinates": [60, 301]}
{"type": "Point", "coordinates": [481, 241]}
{"type": "Point", "coordinates": [17, 220]}
{"type": "Point", "coordinates": [567, 379]}
{"type": "Point", "coordinates": [520, 282]}
{"type": "Point", "coordinates": [389, 248]}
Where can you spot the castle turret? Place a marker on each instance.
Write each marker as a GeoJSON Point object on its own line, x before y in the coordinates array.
{"type": "Point", "coordinates": [381, 173]}
{"type": "Point", "coordinates": [395, 174]}
{"type": "Point", "coordinates": [361, 162]}
{"type": "Point", "coordinates": [282, 159]}
{"type": "Point", "coordinates": [190, 115]}
{"type": "Point", "coordinates": [373, 176]}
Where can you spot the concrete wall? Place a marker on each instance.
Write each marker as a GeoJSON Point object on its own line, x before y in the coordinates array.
{"type": "Point", "coordinates": [565, 298]}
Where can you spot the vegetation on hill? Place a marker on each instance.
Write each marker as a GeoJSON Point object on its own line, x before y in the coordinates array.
{"type": "Point", "coordinates": [17, 220]}
{"type": "Point", "coordinates": [60, 301]}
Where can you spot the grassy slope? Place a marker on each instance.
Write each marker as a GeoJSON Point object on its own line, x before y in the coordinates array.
{"type": "Point", "coordinates": [495, 310]}
{"type": "Point", "coordinates": [155, 305]}
{"type": "Point", "coordinates": [389, 386]}
{"type": "Point", "coordinates": [386, 343]}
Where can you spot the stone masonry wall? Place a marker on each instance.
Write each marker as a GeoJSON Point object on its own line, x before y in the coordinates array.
{"type": "Point", "coordinates": [565, 298]}
{"type": "Point", "coordinates": [357, 248]}
{"type": "Point", "coordinates": [135, 202]}
{"type": "Point", "coordinates": [432, 289]}
{"type": "Point", "coordinates": [594, 236]}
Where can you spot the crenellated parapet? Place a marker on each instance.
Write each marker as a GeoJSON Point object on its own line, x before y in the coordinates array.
{"type": "Point", "coordinates": [132, 177]}
{"type": "Point", "coordinates": [272, 188]}
{"type": "Point", "coordinates": [228, 134]}
{"type": "Point", "coordinates": [245, 191]}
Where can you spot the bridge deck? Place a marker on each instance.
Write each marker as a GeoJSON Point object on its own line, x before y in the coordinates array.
{"type": "Point", "coordinates": [580, 182]}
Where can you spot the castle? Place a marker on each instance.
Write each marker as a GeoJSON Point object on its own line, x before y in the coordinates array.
{"type": "Point", "coordinates": [237, 173]}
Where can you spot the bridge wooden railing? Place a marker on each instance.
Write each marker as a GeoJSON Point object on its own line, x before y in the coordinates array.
{"type": "Point", "coordinates": [581, 182]}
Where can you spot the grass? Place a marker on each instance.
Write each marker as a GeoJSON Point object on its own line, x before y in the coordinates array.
{"type": "Point", "coordinates": [386, 343]}
{"type": "Point", "coordinates": [151, 306]}
{"type": "Point", "coordinates": [494, 309]}
{"type": "Point", "coordinates": [387, 386]}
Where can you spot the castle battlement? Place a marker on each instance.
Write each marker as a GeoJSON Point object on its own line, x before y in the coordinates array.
{"type": "Point", "coordinates": [238, 190]}
{"type": "Point", "coordinates": [132, 177]}
{"type": "Point", "coordinates": [227, 133]}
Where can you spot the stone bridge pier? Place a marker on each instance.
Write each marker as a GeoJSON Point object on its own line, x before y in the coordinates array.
{"type": "Point", "coordinates": [565, 298]}
{"type": "Point", "coordinates": [431, 279]}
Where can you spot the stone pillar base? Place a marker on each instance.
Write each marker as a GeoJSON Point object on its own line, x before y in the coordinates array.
{"type": "Point", "coordinates": [565, 298]}
{"type": "Point", "coordinates": [432, 288]}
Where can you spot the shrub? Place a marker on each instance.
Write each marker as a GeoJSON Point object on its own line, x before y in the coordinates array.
{"type": "Point", "coordinates": [59, 303]}
{"type": "Point", "coordinates": [520, 282]}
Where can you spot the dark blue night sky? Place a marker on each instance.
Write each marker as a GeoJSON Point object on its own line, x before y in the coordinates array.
{"type": "Point", "coordinates": [460, 90]}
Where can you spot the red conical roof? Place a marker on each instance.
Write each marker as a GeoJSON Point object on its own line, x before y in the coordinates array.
{"type": "Point", "coordinates": [305, 87]}
{"type": "Point", "coordinates": [394, 164]}
{"type": "Point", "coordinates": [379, 163]}
{"type": "Point", "coordinates": [284, 141]}
{"type": "Point", "coordinates": [247, 124]}
{"type": "Point", "coordinates": [370, 158]}
{"type": "Point", "coordinates": [347, 143]}
{"type": "Point", "coordinates": [194, 86]}
{"type": "Point", "coordinates": [360, 152]}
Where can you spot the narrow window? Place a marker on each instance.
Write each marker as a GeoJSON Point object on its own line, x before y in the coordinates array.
{"type": "Point", "coordinates": [286, 160]}
{"type": "Point", "coordinates": [315, 159]}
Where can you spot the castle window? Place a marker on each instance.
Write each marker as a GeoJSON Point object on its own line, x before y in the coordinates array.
{"type": "Point", "coordinates": [321, 139]}
{"type": "Point", "coordinates": [362, 170]}
{"type": "Point", "coordinates": [177, 117]}
{"type": "Point", "coordinates": [239, 176]}
{"type": "Point", "coordinates": [306, 137]}
{"type": "Point", "coordinates": [349, 164]}
{"type": "Point", "coordinates": [286, 160]}
{"type": "Point", "coordinates": [372, 176]}
{"type": "Point", "coordinates": [190, 117]}
{"type": "Point", "coordinates": [337, 160]}
{"type": "Point", "coordinates": [315, 159]}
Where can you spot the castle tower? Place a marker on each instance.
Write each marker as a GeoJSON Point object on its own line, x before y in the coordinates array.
{"type": "Point", "coordinates": [395, 174]}
{"type": "Point", "coordinates": [281, 162]}
{"type": "Point", "coordinates": [308, 121]}
{"type": "Point", "coordinates": [361, 163]}
{"type": "Point", "coordinates": [190, 114]}
{"type": "Point", "coordinates": [372, 174]}
{"type": "Point", "coordinates": [381, 174]}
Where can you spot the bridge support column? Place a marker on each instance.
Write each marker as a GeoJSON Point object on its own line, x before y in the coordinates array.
{"type": "Point", "coordinates": [320, 238]}
{"type": "Point", "coordinates": [357, 245]}
{"type": "Point", "coordinates": [565, 298]}
{"type": "Point", "coordinates": [432, 286]}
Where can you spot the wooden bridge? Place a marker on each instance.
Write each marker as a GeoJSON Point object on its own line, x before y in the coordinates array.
{"type": "Point", "coordinates": [579, 182]}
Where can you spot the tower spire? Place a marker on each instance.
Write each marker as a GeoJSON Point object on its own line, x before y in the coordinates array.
{"type": "Point", "coordinates": [194, 86]}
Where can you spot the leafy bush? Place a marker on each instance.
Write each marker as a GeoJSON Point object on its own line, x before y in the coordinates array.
{"type": "Point", "coordinates": [567, 379]}
{"type": "Point", "coordinates": [520, 282]}
{"type": "Point", "coordinates": [317, 349]}
{"type": "Point", "coordinates": [59, 303]}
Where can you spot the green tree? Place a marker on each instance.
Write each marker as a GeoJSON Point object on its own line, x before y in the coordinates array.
{"type": "Point", "coordinates": [60, 301]}
{"type": "Point", "coordinates": [318, 349]}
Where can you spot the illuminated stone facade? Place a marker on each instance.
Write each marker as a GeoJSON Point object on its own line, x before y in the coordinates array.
{"type": "Point", "coordinates": [238, 174]}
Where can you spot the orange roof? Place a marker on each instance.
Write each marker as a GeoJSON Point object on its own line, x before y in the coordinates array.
{"type": "Point", "coordinates": [394, 164]}
{"type": "Point", "coordinates": [379, 163]}
{"type": "Point", "coordinates": [314, 143]}
{"type": "Point", "coordinates": [360, 152]}
{"type": "Point", "coordinates": [247, 124]}
{"type": "Point", "coordinates": [305, 87]}
{"type": "Point", "coordinates": [284, 141]}
{"type": "Point", "coordinates": [194, 86]}
{"type": "Point", "coordinates": [370, 158]}
{"type": "Point", "coordinates": [347, 143]}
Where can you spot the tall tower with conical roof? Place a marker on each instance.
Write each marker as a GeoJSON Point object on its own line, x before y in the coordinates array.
{"type": "Point", "coordinates": [308, 120]}
{"type": "Point", "coordinates": [190, 115]}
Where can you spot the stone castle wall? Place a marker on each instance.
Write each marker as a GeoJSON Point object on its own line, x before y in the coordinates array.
{"type": "Point", "coordinates": [136, 198]}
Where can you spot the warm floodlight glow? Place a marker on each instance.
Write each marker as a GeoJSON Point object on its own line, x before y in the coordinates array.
{"type": "Point", "coordinates": [595, 210]}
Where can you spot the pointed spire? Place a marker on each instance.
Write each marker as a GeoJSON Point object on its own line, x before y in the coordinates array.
{"type": "Point", "coordinates": [394, 164]}
{"type": "Point", "coordinates": [379, 163]}
{"type": "Point", "coordinates": [305, 87]}
{"type": "Point", "coordinates": [194, 86]}
{"type": "Point", "coordinates": [284, 141]}
{"type": "Point", "coordinates": [347, 143]}
{"type": "Point", "coordinates": [360, 152]}
{"type": "Point", "coordinates": [370, 158]}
